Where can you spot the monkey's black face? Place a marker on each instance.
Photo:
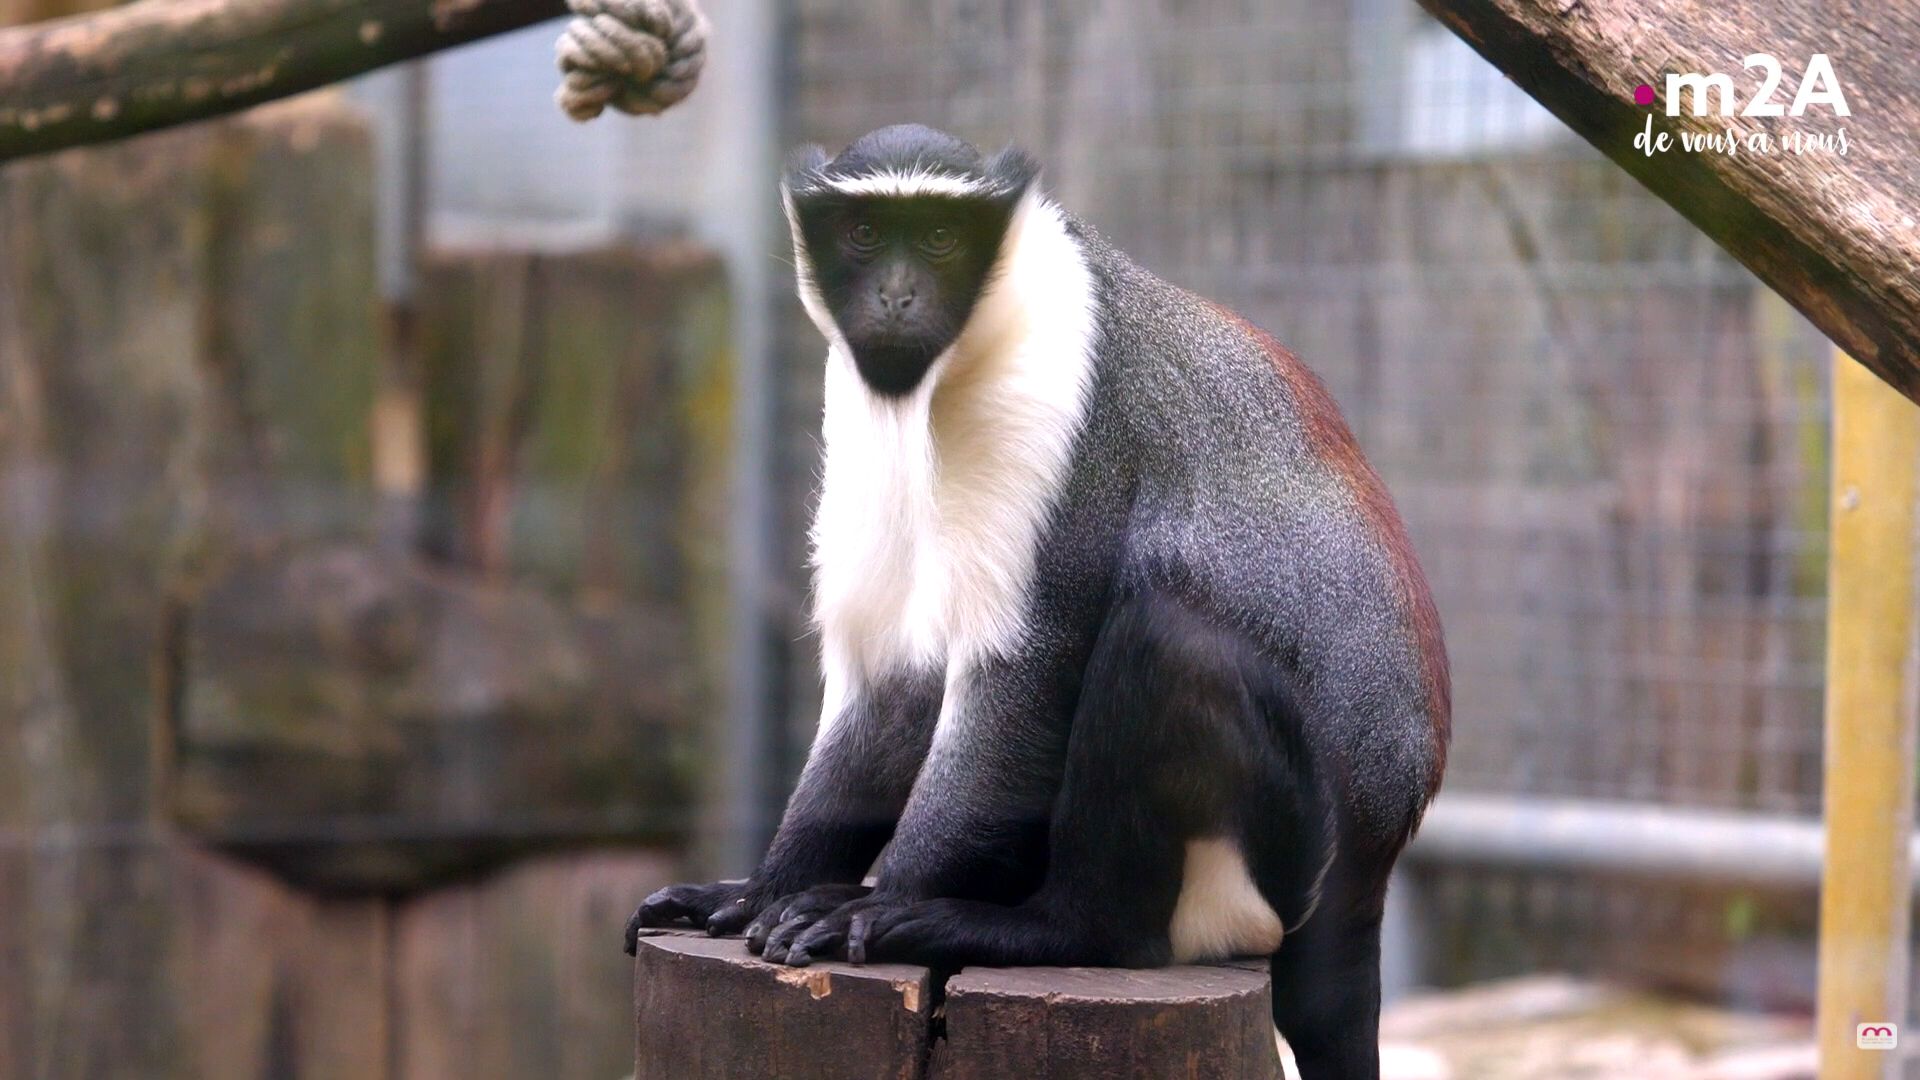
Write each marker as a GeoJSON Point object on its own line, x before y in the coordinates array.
{"type": "Point", "coordinates": [901, 274]}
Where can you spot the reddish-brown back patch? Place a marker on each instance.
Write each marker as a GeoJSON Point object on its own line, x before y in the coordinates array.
{"type": "Point", "coordinates": [1332, 441]}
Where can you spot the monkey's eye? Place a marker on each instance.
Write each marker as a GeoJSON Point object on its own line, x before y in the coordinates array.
{"type": "Point", "coordinates": [863, 236]}
{"type": "Point", "coordinates": [939, 241]}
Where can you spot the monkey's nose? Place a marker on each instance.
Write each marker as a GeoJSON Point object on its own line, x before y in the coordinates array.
{"type": "Point", "coordinates": [895, 302]}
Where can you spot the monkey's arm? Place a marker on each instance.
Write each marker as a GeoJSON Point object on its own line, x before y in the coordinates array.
{"type": "Point", "coordinates": [856, 780]}
{"type": "Point", "coordinates": [852, 790]}
{"type": "Point", "coordinates": [975, 826]}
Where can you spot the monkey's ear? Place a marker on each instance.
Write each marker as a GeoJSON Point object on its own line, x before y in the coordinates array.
{"type": "Point", "coordinates": [803, 168]}
{"type": "Point", "coordinates": [1013, 170]}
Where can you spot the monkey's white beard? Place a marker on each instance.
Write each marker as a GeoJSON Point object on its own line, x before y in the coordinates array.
{"type": "Point", "coordinates": [933, 503]}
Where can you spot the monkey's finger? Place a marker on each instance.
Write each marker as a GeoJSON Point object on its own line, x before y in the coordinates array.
{"type": "Point", "coordinates": [632, 937]}
{"type": "Point", "coordinates": [868, 933]}
{"type": "Point", "coordinates": [772, 917]}
{"type": "Point", "coordinates": [825, 940]}
{"type": "Point", "coordinates": [668, 905]}
{"type": "Point", "coordinates": [857, 939]}
{"type": "Point", "coordinates": [730, 917]}
{"type": "Point", "coordinates": [780, 940]}
{"type": "Point", "coordinates": [757, 931]}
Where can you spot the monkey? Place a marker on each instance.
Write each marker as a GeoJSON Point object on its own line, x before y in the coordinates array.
{"type": "Point", "coordinates": [1127, 657]}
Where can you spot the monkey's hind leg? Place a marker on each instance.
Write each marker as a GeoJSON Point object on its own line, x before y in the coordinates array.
{"type": "Point", "coordinates": [1326, 985]}
{"type": "Point", "coordinates": [1186, 783]}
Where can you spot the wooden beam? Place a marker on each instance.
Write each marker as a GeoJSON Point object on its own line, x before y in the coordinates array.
{"type": "Point", "coordinates": [1865, 889]}
{"type": "Point", "coordinates": [156, 63]}
{"type": "Point", "coordinates": [1835, 235]}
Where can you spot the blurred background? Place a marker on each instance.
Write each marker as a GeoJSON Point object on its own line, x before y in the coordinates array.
{"type": "Point", "coordinates": [405, 490]}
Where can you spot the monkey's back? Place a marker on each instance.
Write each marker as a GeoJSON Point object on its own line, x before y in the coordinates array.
{"type": "Point", "coordinates": [1248, 497]}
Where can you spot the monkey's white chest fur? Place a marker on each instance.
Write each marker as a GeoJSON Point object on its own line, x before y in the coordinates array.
{"type": "Point", "coordinates": [933, 504]}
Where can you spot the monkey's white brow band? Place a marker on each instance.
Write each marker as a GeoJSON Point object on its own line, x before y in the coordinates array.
{"type": "Point", "coordinates": [907, 185]}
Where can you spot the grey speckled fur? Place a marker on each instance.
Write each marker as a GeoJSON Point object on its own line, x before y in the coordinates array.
{"type": "Point", "coordinates": [1197, 452]}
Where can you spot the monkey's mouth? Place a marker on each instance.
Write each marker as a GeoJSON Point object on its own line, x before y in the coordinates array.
{"type": "Point", "coordinates": [894, 368]}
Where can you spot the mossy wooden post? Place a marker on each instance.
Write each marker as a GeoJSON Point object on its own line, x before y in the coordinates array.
{"type": "Point", "coordinates": [1865, 891]}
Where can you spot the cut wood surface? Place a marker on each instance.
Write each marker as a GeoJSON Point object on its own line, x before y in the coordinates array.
{"type": "Point", "coordinates": [1837, 235]}
{"type": "Point", "coordinates": [161, 62]}
{"type": "Point", "coordinates": [1202, 1023]}
{"type": "Point", "coordinates": [707, 1008]}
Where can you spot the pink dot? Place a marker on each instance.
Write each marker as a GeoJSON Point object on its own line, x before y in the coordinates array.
{"type": "Point", "coordinates": [1643, 94]}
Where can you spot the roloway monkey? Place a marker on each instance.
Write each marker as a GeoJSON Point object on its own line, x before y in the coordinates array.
{"type": "Point", "coordinates": [1128, 659]}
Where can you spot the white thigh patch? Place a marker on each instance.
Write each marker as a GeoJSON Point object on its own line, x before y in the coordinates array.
{"type": "Point", "coordinates": [1220, 912]}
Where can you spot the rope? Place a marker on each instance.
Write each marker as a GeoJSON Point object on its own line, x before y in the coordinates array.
{"type": "Point", "coordinates": [639, 56]}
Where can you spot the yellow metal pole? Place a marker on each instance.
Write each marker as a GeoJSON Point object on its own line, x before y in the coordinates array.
{"type": "Point", "coordinates": [1865, 889]}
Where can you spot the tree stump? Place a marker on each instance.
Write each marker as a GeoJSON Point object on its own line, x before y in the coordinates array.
{"type": "Point", "coordinates": [706, 1008]}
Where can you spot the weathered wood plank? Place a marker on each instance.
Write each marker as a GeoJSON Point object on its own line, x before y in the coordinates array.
{"type": "Point", "coordinates": [340, 1006]}
{"type": "Point", "coordinates": [521, 975]}
{"type": "Point", "coordinates": [156, 63]}
{"type": "Point", "coordinates": [1836, 235]}
{"type": "Point", "coordinates": [1865, 891]}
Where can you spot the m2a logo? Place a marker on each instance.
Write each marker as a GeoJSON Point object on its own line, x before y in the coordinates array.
{"type": "Point", "coordinates": [1819, 86]}
{"type": "Point", "coordinates": [1876, 1036]}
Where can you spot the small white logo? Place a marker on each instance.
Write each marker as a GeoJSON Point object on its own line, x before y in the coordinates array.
{"type": "Point", "coordinates": [1876, 1036]}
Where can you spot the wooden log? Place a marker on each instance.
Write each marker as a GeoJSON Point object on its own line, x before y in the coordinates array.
{"type": "Point", "coordinates": [705, 1007]}
{"type": "Point", "coordinates": [1834, 234]}
{"type": "Point", "coordinates": [1200, 1023]}
{"type": "Point", "coordinates": [13, 12]}
{"type": "Point", "coordinates": [157, 63]}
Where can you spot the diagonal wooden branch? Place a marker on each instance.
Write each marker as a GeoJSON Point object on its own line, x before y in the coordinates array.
{"type": "Point", "coordinates": [1836, 235]}
{"type": "Point", "coordinates": [156, 63]}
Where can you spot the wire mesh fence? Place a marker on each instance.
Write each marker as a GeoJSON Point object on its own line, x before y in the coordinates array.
{"type": "Point", "coordinates": [1608, 439]}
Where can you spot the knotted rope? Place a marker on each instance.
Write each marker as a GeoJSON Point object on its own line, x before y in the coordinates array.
{"type": "Point", "coordinates": [639, 56]}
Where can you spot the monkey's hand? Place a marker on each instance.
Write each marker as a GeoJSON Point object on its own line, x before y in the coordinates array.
{"type": "Point", "coordinates": [801, 940]}
{"type": "Point", "coordinates": [780, 921]}
{"type": "Point", "coordinates": [720, 908]}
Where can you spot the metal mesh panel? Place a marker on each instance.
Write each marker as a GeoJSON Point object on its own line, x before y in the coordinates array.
{"type": "Point", "coordinates": [1607, 437]}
